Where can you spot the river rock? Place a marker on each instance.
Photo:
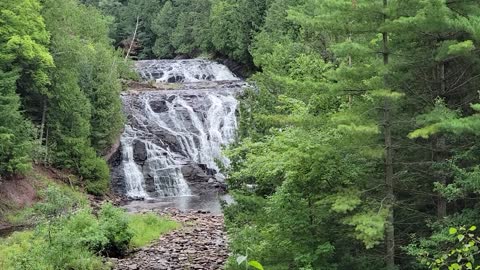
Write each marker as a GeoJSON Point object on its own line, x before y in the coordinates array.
{"type": "Point", "coordinates": [201, 243]}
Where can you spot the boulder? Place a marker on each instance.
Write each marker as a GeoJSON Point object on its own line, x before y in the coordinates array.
{"type": "Point", "coordinates": [207, 170]}
{"type": "Point", "coordinates": [157, 74]}
{"type": "Point", "coordinates": [175, 79]}
{"type": "Point", "coordinates": [150, 184]}
{"type": "Point", "coordinates": [159, 106]}
{"type": "Point", "coordinates": [139, 152]}
{"type": "Point", "coordinates": [193, 173]}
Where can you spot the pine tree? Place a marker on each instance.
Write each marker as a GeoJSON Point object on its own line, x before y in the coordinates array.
{"type": "Point", "coordinates": [15, 131]}
{"type": "Point", "coordinates": [163, 27]}
{"type": "Point", "coordinates": [24, 63]}
{"type": "Point", "coordinates": [84, 110]}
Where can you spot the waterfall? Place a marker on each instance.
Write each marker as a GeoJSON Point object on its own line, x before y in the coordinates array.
{"type": "Point", "coordinates": [174, 71]}
{"type": "Point", "coordinates": [175, 137]}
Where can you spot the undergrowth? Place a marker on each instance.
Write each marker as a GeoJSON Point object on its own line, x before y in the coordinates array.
{"type": "Point", "coordinates": [69, 235]}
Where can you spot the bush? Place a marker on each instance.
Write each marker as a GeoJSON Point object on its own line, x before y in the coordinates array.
{"type": "Point", "coordinates": [49, 247]}
{"type": "Point", "coordinates": [74, 238]}
{"type": "Point", "coordinates": [68, 240]}
{"type": "Point", "coordinates": [56, 200]}
{"type": "Point", "coordinates": [79, 156]}
{"type": "Point", "coordinates": [96, 174]}
{"type": "Point", "coordinates": [114, 224]}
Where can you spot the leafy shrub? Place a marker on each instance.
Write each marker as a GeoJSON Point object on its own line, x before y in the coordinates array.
{"type": "Point", "coordinates": [54, 248]}
{"type": "Point", "coordinates": [55, 203]}
{"type": "Point", "coordinates": [114, 226]}
{"type": "Point", "coordinates": [96, 174]}
{"type": "Point", "coordinates": [56, 200]}
{"type": "Point", "coordinates": [67, 240]}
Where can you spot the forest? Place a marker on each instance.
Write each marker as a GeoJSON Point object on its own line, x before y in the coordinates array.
{"type": "Point", "coordinates": [357, 145]}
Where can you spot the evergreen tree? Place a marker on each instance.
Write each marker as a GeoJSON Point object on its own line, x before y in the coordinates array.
{"type": "Point", "coordinates": [163, 27]}
{"type": "Point", "coordinates": [84, 110]}
{"type": "Point", "coordinates": [24, 63]}
{"type": "Point", "coordinates": [15, 131]}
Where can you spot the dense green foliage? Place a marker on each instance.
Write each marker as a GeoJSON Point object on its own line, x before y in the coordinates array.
{"type": "Point", "coordinates": [70, 236]}
{"type": "Point", "coordinates": [170, 28]}
{"type": "Point", "coordinates": [357, 150]}
{"type": "Point", "coordinates": [60, 88]}
{"type": "Point", "coordinates": [24, 64]}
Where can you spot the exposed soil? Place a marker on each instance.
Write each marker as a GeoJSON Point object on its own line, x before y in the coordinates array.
{"type": "Point", "coordinates": [17, 191]}
{"type": "Point", "coordinates": [21, 191]}
{"type": "Point", "coordinates": [200, 244]}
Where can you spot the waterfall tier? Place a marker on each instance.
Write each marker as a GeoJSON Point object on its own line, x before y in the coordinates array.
{"type": "Point", "coordinates": [175, 137]}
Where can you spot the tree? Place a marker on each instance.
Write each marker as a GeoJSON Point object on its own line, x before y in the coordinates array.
{"type": "Point", "coordinates": [24, 64]}
{"type": "Point", "coordinates": [15, 131]}
{"type": "Point", "coordinates": [163, 27]}
{"type": "Point", "coordinates": [85, 109]}
{"type": "Point", "coordinates": [234, 24]}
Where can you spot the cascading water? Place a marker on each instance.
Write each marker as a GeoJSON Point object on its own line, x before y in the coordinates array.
{"type": "Point", "coordinates": [173, 71]}
{"type": "Point", "coordinates": [175, 137]}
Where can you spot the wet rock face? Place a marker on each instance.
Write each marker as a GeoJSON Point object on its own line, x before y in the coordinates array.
{"type": "Point", "coordinates": [175, 137]}
{"type": "Point", "coordinates": [175, 71]}
{"type": "Point", "coordinates": [139, 152]}
{"type": "Point", "coordinates": [194, 173]}
{"type": "Point", "coordinates": [159, 106]}
{"type": "Point", "coordinates": [116, 176]}
{"type": "Point", "coordinates": [175, 79]}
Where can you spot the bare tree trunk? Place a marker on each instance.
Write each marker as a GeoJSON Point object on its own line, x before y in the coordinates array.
{"type": "Point", "coordinates": [389, 181]}
{"type": "Point", "coordinates": [133, 39]}
{"type": "Point", "coordinates": [440, 146]}
{"type": "Point", "coordinates": [46, 160]}
{"type": "Point", "coordinates": [44, 118]}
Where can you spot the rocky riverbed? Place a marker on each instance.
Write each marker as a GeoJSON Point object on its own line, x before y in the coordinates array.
{"type": "Point", "coordinates": [200, 244]}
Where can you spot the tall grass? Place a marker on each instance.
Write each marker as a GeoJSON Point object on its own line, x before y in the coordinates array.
{"type": "Point", "coordinates": [149, 227]}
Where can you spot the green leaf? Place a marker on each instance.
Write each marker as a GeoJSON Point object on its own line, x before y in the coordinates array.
{"type": "Point", "coordinates": [455, 266]}
{"type": "Point", "coordinates": [473, 228]}
{"type": "Point", "coordinates": [256, 265]}
{"type": "Point", "coordinates": [452, 231]}
{"type": "Point", "coordinates": [241, 259]}
{"type": "Point", "coordinates": [460, 237]}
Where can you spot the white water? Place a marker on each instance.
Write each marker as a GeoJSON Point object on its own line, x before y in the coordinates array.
{"type": "Point", "coordinates": [131, 170]}
{"type": "Point", "coordinates": [176, 127]}
{"type": "Point", "coordinates": [195, 70]}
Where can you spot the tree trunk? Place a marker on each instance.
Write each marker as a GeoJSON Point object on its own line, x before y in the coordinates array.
{"type": "Point", "coordinates": [440, 145]}
{"type": "Point", "coordinates": [389, 181]}
{"type": "Point", "coordinates": [133, 39]}
{"type": "Point", "coordinates": [46, 160]}
{"type": "Point", "coordinates": [44, 118]}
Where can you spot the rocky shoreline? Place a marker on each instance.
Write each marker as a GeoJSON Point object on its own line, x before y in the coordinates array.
{"type": "Point", "coordinates": [201, 243]}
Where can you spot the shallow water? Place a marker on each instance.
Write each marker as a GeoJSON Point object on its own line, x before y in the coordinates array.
{"type": "Point", "coordinates": [204, 202]}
